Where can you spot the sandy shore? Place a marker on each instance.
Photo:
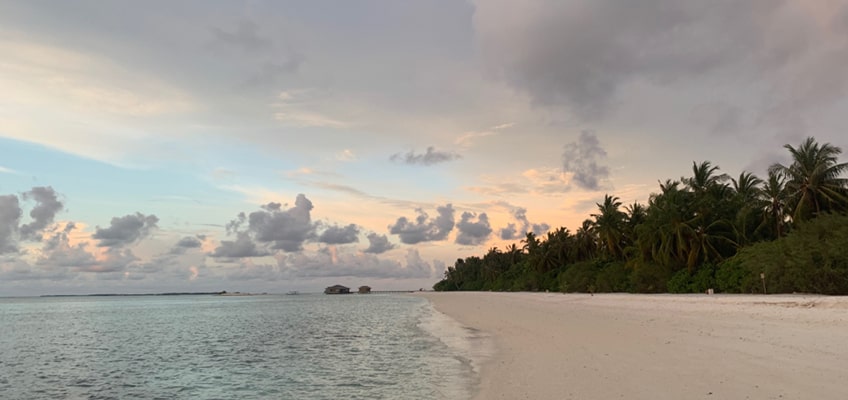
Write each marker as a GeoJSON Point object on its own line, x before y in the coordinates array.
{"type": "Point", "coordinates": [620, 346]}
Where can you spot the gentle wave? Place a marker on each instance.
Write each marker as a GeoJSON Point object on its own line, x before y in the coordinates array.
{"type": "Point", "coordinates": [210, 347]}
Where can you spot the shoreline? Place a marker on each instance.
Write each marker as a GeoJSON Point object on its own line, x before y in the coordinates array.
{"type": "Point", "coordinates": [577, 346]}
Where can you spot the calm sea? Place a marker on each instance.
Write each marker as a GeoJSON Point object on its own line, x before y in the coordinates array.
{"type": "Point", "coordinates": [212, 347]}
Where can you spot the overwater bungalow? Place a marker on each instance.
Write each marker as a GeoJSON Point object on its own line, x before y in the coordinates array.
{"type": "Point", "coordinates": [337, 289]}
{"type": "Point", "coordinates": [364, 289]}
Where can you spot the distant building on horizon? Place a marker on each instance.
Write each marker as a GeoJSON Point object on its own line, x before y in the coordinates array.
{"type": "Point", "coordinates": [364, 289]}
{"type": "Point", "coordinates": [337, 289]}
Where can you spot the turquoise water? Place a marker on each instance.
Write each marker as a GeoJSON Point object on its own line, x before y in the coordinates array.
{"type": "Point", "coordinates": [213, 347]}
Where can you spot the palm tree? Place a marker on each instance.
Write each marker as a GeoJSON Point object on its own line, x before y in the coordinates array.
{"type": "Point", "coordinates": [704, 177]}
{"type": "Point", "coordinates": [531, 243]}
{"type": "Point", "coordinates": [747, 187]}
{"type": "Point", "coordinates": [635, 215]}
{"type": "Point", "coordinates": [746, 200]}
{"type": "Point", "coordinates": [774, 197]}
{"type": "Point", "coordinates": [586, 244]}
{"type": "Point", "coordinates": [609, 225]}
{"type": "Point", "coordinates": [813, 179]}
{"type": "Point", "coordinates": [514, 253]}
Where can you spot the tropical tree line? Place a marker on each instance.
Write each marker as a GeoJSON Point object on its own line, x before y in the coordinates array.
{"type": "Point", "coordinates": [786, 232]}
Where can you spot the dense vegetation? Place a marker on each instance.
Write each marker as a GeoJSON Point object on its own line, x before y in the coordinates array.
{"type": "Point", "coordinates": [704, 231]}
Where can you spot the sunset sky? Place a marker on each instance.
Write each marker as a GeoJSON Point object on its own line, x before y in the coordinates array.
{"type": "Point", "coordinates": [155, 146]}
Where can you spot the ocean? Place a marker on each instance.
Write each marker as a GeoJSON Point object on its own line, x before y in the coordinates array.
{"type": "Point", "coordinates": [310, 346]}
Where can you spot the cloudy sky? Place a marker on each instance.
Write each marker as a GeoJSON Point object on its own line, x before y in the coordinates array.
{"type": "Point", "coordinates": [289, 145]}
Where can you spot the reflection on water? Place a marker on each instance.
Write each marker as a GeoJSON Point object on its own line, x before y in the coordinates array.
{"type": "Point", "coordinates": [202, 347]}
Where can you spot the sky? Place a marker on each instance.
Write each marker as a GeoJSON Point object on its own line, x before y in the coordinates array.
{"type": "Point", "coordinates": [269, 146]}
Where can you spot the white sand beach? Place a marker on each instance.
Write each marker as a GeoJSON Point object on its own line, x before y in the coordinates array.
{"type": "Point", "coordinates": [622, 346]}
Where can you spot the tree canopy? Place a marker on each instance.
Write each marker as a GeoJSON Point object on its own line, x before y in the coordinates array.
{"type": "Point", "coordinates": [703, 231]}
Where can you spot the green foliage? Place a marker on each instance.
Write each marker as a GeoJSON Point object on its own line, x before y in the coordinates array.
{"type": "Point", "coordinates": [732, 277]}
{"type": "Point", "coordinates": [613, 277]}
{"type": "Point", "coordinates": [679, 282]}
{"type": "Point", "coordinates": [811, 259]}
{"type": "Point", "coordinates": [698, 232]}
{"type": "Point", "coordinates": [579, 277]}
{"type": "Point", "coordinates": [684, 281]}
{"type": "Point", "coordinates": [649, 278]}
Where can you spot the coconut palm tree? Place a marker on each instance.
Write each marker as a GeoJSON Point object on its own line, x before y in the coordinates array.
{"type": "Point", "coordinates": [747, 187]}
{"type": "Point", "coordinates": [609, 225]}
{"type": "Point", "coordinates": [746, 200]}
{"type": "Point", "coordinates": [704, 177]}
{"type": "Point", "coordinates": [774, 198]}
{"type": "Point", "coordinates": [586, 245]}
{"type": "Point", "coordinates": [814, 179]}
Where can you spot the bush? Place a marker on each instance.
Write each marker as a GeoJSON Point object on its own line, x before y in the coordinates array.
{"type": "Point", "coordinates": [649, 278]}
{"type": "Point", "coordinates": [613, 277]}
{"type": "Point", "coordinates": [579, 277]}
{"type": "Point", "coordinates": [679, 282]}
{"type": "Point", "coordinates": [813, 258]}
{"type": "Point", "coordinates": [732, 277]}
{"type": "Point", "coordinates": [684, 282]}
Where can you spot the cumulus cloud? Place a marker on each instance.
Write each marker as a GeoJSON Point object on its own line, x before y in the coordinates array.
{"type": "Point", "coordinates": [243, 246]}
{"type": "Point", "coordinates": [581, 158]}
{"type": "Point", "coordinates": [340, 234]}
{"type": "Point", "coordinates": [272, 228]}
{"type": "Point", "coordinates": [126, 230]}
{"type": "Point", "coordinates": [10, 217]}
{"type": "Point", "coordinates": [116, 260]}
{"type": "Point", "coordinates": [517, 231]}
{"type": "Point", "coordinates": [47, 205]}
{"type": "Point", "coordinates": [424, 229]}
{"type": "Point", "coordinates": [188, 242]}
{"type": "Point", "coordinates": [42, 215]}
{"type": "Point", "coordinates": [284, 230]}
{"type": "Point", "coordinates": [58, 252]}
{"type": "Point", "coordinates": [378, 244]}
{"type": "Point", "coordinates": [430, 157]}
{"type": "Point", "coordinates": [473, 233]}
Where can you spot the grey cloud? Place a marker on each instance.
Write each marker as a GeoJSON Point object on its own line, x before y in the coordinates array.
{"type": "Point", "coordinates": [580, 53]}
{"type": "Point", "coordinates": [378, 244]}
{"type": "Point", "coordinates": [286, 230]}
{"type": "Point", "coordinates": [424, 229]}
{"type": "Point", "coordinates": [430, 157]}
{"type": "Point", "coordinates": [242, 247]}
{"type": "Point", "coordinates": [270, 229]}
{"type": "Point", "coordinates": [234, 225]}
{"type": "Point", "coordinates": [340, 234]}
{"type": "Point", "coordinates": [273, 61]}
{"type": "Point", "coordinates": [126, 230]}
{"type": "Point", "coordinates": [272, 206]}
{"type": "Point", "coordinates": [416, 266]}
{"type": "Point", "coordinates": [188, 242]}
{"type": "Point", "coordinates": [582, 159]}
{"type": "Point", "coordinates": [10, 217]}
{"type": "Point", "coordinates": [16, 269]}
{"type": "Point", "coordinates": [473, 233]}
{"type": "Point", "coordinates": [245, 37]}
{"type": "Point", "coordinates": [117, 260]}
{"type": "Point", "coordinates": [513, 231]}
{"type": "Point", "coordinates": [75, 256]}
{"type": "Point", "coordinates": [47, 205]}
{"type": "Point", "coordinates": [720, 118]}
{"type": "Point", "coordinates": [352, 264]}
{"type": "Point", "coordinates": [57, 251]}
{"type": "Point", "coordinates": [256, 272]}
